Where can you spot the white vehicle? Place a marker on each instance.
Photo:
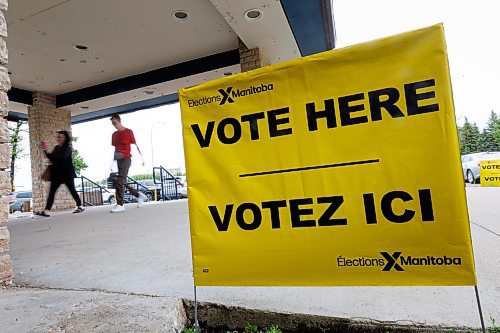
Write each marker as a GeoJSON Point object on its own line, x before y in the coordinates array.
{"type": "Point", "coordinates": [181, 187]}
{"type": "Point", "coordinates": [108, 196]}
{"type": "Point", "coordinates": [470, 164]}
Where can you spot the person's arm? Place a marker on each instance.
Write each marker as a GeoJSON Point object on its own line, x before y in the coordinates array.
{"type": "Point", "coordinates": [67, 152]}
{"type": "Point", "coordinates": [136, 146]}
{"type": "Point", "coordinates": [142, 157]}
{"type": "Point", "coordinates": [45, 146]}
{"type": "Point", "coordinates": [132, 141]}
{"type": "Point", "coordinates": [49, 155]}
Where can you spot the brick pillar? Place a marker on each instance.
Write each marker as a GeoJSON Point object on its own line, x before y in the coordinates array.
{"type": "Point", "coordinates": [44, 120]}
{"type": "Point", "coordinates": [249, 58]}
{"type": "Point", "coordinates": [5, 262]}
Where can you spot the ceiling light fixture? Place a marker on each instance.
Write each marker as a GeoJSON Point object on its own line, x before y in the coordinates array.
{"type": "Point", "coordinates": [81, 47]}
{"type": "Point", "coordinates": [253, 14]}
{"type": "Point", "coordinates": [180, 15]}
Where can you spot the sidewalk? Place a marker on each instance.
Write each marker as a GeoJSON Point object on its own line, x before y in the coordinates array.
{"type": "Point", "coordinates": [39, 311]}
{"type": "Point", "coordinates": [147, 251]}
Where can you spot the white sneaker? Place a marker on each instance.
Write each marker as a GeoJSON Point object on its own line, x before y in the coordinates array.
{"type": "Point", "coordinates": [140, 199]}
{"type": "Point", "coordinates": [118, 208]}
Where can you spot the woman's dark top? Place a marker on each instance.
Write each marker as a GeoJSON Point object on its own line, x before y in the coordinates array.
{"type": "Point", "coordinates": [62, 163]}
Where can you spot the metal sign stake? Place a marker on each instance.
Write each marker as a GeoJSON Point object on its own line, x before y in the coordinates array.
{"type": "Point", "coordinates": [480, 310]}
{"type": "Point", "coordinates": [196, 324]}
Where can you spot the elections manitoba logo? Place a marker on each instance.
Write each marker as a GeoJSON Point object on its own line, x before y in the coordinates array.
{"type": "Point", "coordinates": [397, 261]}
{"type": "Point", "coordinates": [229, 95]}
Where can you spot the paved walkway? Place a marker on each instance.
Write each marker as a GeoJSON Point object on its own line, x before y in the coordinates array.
{"type": "Point", "coordinates": [147, 251]}
{"type": "Point", "coordinates": [63, 311]}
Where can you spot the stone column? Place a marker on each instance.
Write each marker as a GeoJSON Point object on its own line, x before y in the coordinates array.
{"type": "Point", "coordinates": [249, 58]}
{"type": "Point", "coordinates": [5, 262]}
{"type": "Point", "coordinates": [44, 120]}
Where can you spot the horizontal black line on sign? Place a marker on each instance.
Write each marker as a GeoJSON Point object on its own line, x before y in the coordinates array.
{"type": "Point", "coordinates": [314, 167]}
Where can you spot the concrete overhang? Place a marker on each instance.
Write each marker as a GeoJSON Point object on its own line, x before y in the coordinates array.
{"type": "Point", "coordinates": [139, 53]}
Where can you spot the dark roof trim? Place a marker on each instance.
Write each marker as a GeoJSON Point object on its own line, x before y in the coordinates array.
{"type": "Point", "coordinates": [16, 116]}
{"type": "Point", "coordinates": [20, 96]}
{"type": "Point", "coordinates": [126, 108]}
{"type": "Point", "coordinates": [312, 24]}
{"type": "Point", "coordinates": [156, 76]}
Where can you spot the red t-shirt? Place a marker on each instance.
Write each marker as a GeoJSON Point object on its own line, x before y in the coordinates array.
{"type": "Point", "coordinates": [122, 141]}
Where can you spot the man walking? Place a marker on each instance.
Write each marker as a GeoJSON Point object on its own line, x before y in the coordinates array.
{"type": "Point", "coordinates": [121, 140]}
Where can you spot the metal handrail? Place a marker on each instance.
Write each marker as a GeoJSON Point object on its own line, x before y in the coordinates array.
{"type": "Point", "coordinates": [164, 177]}
{"type": "Point", "coordinates": [94, 186]}
{"type": "Point", "coordinates": [135, 182]}
{"type": "Point", "coordinates": [131, 182]}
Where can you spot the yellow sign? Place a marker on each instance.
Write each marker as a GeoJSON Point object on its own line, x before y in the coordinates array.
{"type": "Point", "coordinates": [338, 169]}
{"type": "Point", "coordinates": [490, 172]}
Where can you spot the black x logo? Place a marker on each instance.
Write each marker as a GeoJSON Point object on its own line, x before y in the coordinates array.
{"type": "Point", "coordinates": [225, 96]}
{"type": "Point", "coordinates": [391, 261]}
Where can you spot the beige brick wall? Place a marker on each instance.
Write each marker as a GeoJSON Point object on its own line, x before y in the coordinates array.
{"type": "Point", "coordinates": [249, 58]}
{"type": "Point", "coordinates": [4, 239]}
{"type": "Point", "coordinates": [44, 121]}
{"type": "Point", "coordinates": [5, 262]}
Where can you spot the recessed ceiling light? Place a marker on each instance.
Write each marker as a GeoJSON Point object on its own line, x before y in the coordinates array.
{"type": "Point", "coordinates": [81, 47]}
{"type": "Point", "coordinates": [180, 15]}
{"type": "Point", "coordinates": [253, 14]}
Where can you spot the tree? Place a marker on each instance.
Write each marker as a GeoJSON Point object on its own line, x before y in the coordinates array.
{"type": "Point", "coordinates": [496, 133]}
{"type": "Point", "coordinates": [16, 148]}
{"type": "Point", "coordinates": [78, 161]}
{"type": "Point", "coordinates": [142, 176]}
{"type": "Point", "coordinates": [178, 172]}
{"type": "Point", "coordinates": [469, 138]}
{"type": "Point", "coordinates": [488, 140]}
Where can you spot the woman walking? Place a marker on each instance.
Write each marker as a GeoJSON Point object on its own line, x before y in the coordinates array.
{"type": "Point", "coordinates": [62, 170]}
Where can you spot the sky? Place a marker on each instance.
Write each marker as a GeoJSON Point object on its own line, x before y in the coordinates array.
{"type": "Point", "coordinates": [471, 29]}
